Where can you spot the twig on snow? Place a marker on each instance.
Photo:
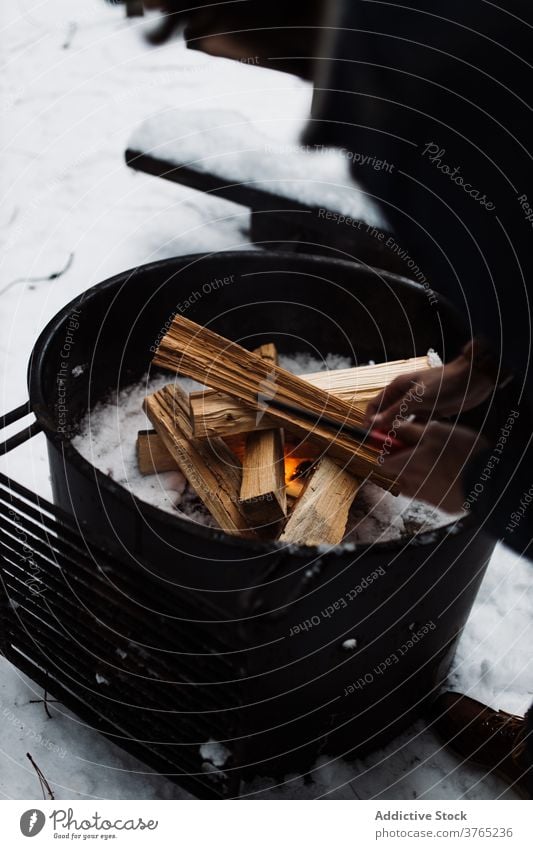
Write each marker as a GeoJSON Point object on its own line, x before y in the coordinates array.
{"type": "Point", "coordinates": [44, 279]}
{"type": "Point", "coordinates": [42, 780]}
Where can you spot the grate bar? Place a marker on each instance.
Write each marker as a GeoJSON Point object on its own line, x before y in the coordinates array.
{"type": "Point", "coordinates": [62, 561]}
{"type": "Point", "coordinates": [74, 612]}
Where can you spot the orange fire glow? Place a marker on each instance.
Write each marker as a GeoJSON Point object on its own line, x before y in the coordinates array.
{"type": "Point", "coordinates": [291, 467]}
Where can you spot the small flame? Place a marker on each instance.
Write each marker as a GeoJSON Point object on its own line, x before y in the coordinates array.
{"type": "Point", "coordinates": [291, 468]}
{"type": "Point", "coordinates": [296, 471]}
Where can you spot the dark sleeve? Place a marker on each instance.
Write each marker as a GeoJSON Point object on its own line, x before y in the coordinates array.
{"type": "Point", "coordinates": [441, 91]}
{"type": "Point", "coordinates": [498, 483]}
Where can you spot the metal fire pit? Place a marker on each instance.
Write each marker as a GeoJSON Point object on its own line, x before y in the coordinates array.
{"type": "Point", "coordinates": [165, 635]}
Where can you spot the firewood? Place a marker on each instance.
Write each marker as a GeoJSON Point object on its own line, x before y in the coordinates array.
{"type": "Point", "coordinates": [217, 414]}
{"type": "Point", "coordinates": [320, 515]}
{"type": "Point", "coordinates": [153, 456]}
{"type": "Point", "coordinates": [199, 353]}
{"type": "Point", "coordinates": [212, 470]}
{"type": "Point", "coordinates": [263, 496]}
{"type": "Point", "coordinates": [267, 352]}
{"type": "Point", "coordinates": [362, 383]}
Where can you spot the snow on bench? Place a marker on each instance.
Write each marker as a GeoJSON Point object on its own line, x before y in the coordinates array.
{"type": "Point", "coordinates": [224, 152]}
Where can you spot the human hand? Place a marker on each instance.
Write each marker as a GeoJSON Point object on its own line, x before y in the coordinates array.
{"type": "Point", "coordinates": [430, 467]}
{"type": "Point", "coordinates": [440, 391]}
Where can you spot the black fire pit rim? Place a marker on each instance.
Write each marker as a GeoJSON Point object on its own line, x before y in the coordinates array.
{"type": "Point", "coordinates": [70, 454]}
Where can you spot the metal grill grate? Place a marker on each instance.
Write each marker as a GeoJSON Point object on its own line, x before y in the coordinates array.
{"type": "Point", "coordinates": [72, 617]}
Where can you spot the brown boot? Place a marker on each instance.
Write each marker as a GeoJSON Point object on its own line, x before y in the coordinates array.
{"type": "Point", "coordinates": [493, 739]}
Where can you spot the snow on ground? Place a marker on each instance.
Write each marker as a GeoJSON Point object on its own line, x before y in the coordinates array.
{"type": "Point", "coordinates": [78, 79]}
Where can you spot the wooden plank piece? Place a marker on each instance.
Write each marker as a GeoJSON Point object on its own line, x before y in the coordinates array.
{"type": "Point", "coordinates": [153, 456]}
{"type": "Point", "coordinates": [363, 382]}
{"type": "Point", "coordinates": [210, 467]}
{"type": "Point", "coordinates": [217, 414]}
{"type": "Point", "coordinates": [320, 515]}
{"type": "Point", "coordinates": [197, 352]}
{"type": "Point", "coordinates": [263, 495]}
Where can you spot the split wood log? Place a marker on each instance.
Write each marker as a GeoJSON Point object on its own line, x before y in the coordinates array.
{"type": "Point", "coordinates": [362, 383]}
{"type": "Point", "coordinates": [320, 515]}
{"type": "Point", "coordinates": [199, 353]}
{"type": "Point", "coordinates": [213, 471]}
{"type": "Point", "coordinates": [217, 414]}
{"type": "Point", "coordinates": [153, 457]}
{"type": "Point", "coordinates": [263, 497]}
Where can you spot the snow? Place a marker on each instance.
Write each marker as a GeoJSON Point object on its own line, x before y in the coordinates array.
{"type": "Point", "coordinates": [67, 115]}
{"type": "Point", "coordinates": [433, 358]}
{"type": "Point", "coordinates": [238, 150]}
{"type": "Point", "coordinates": [215, 752]}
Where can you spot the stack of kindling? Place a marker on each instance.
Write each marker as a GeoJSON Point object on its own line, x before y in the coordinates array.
{"type": "Point", "coordinates": [269, 454]}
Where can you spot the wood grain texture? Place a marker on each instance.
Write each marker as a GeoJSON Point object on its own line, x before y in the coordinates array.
{"type": "Point", "coordinates": [212, 470]}
{"type": "Point", "coordinates": [320, 514]}
{"type": "Point", "coordinates": [263, 497]}
{"type": "Point", "coordinates": [262, 494]}
{"type": "Point", "coordinates": [199, 353]}
{"type": "Point", "coordinates": [361, 383]}
{"type": "Point", "coordinates": [217, 414]}
{"type": "Point", "coordinates": [153, 456]}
